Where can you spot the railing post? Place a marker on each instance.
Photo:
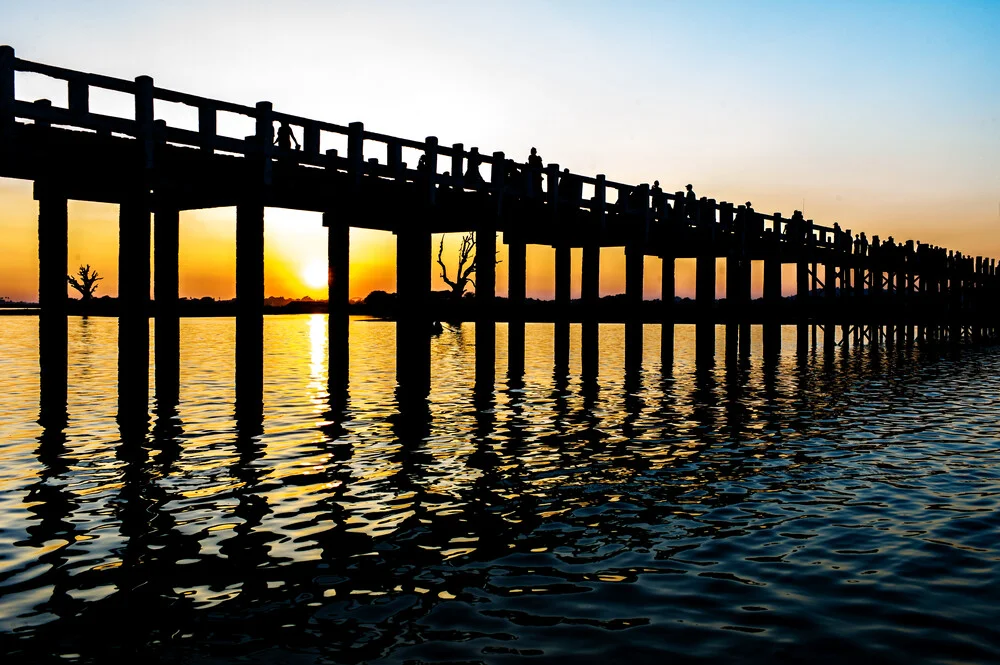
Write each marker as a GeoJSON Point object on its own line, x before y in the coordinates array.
{"type": "Point", "coordinates": [498, 180]}
{"type": "Point", "coordinates": [207, 128]}
{"type": "Point", "coordinates": [552, 183]}
{"type": "Point", "coordinates": [457, 159]}
{"type": "Point", "coordinates": [265, 138]}
{"type": "Point", "coordinates": [45, 106]}
{"type": "Point", "coordinates": [79, 97]}
{"type": "Point", "coordinates": [431, 161]}
{"type": "Point", "coordinates": [394, 157]}
{"type": "Point", "coordinates": [6, 90]}
{"type": "Point", "coordinates": [356, 151]}
{"type": "Point", "coordinates": [310, 138]}
{"type": "Point", "coordinates": [144, 118]}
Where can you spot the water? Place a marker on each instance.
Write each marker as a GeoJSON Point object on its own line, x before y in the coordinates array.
{"type": "Point", "coordinates": [805, 512]}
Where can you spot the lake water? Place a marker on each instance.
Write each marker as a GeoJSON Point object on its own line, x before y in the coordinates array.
{"type": "Point", "coordinates": [805, 511]}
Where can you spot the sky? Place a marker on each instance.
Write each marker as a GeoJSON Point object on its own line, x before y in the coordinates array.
{"type": "Point", "coordinates": [882, 116]}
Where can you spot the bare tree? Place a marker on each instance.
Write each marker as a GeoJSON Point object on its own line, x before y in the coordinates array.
{"type": "Point", "coordinates": [466, 265]}
{"type": "Point", "coordinates": [87, 284]}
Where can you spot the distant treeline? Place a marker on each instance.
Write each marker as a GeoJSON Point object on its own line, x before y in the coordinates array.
{"type": "Point", "coordinates": [379, 304]}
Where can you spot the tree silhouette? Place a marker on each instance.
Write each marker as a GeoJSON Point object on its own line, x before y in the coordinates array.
{"type": "Point", "coordinates": [466, 265]}
{"type": "Point", "coordinates": [87, 284]}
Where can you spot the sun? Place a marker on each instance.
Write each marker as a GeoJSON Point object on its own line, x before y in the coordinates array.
{"type": "Point", "coordinates": [314, 274]}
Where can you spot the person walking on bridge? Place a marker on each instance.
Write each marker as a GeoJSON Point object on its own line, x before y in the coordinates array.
{"type": "Point", "coordinates": [285, 137]}
{"type": "Point", "coordinates": [535, 166]}
{"type": "Point", "coordinates": [690, 203]}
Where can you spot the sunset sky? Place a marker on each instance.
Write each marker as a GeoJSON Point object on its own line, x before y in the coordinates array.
{"type": "Point", "coordinates": [883, 116]}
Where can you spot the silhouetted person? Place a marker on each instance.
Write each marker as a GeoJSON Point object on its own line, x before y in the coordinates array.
{"type": "Point", "coordinates": [286, 136]}
{"type": "Point", "coordinates": [691, 202]}
{"type": "Point", "coordinates": [536, 165]}
{"type": "Point", "coordinates": [657, 195]}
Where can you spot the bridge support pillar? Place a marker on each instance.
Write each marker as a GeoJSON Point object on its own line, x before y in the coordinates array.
{"type": "Point", "coordinates": [516, 277]}
{"type": "Point", "coordinates": [773, 302]}
{"type": "Point", "coordinates": [743, 298]}
{"type": "Point", "coordinates": [133, 315]}
{"type": "Point", "coordinates": [734, 288]}
{"type": "Point", "coordinates": [705, 302]}
{"type": "Point", "coordinates": [562, 269]}
{"type": "Point", "coordinates": [52, 330]}
{"type": "Point", "coordinates": [165, 298]}
{"type": "Point", "coordinates": [338, 253]}
{"type": "Point", "coordinates": [634, 264]}
{"type": "Point", "coordinates": [52, 251]}
{"type": "Point", "coordinates": [830, 292]}
{"type": "Point", "coordinates": [486, 336]}
{"type": "Point", "coordinates": [590, 295]}
{"type": "Point", "coordinates": [802, 307]}
{"type": "Point", "coordinates": [413, 287]}
{"type": "Point", "coordinates": [667, 294]}
{"type": "Point", "coordinates": [249, 310]}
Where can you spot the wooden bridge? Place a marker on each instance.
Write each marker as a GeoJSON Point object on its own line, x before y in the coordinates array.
{"type": "Point", "coordinates": [876, 291]}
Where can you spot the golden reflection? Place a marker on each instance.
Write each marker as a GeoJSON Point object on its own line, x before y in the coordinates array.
{"type": "Point", "coordinates": [318, 333]}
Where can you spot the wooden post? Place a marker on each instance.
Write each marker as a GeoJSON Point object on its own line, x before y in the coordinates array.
{"type": "Point", "coordinates": [144, 118]}
{"type": "Point", "coordinates": [52, 299]}
{"type": "Point", "coordinates": [844, 260]}
{"type": "Point", "coordinates": [394, 156]}
{"type": "Point", "coordinates": [802, 297]}
{"type": "Point", "coordinates": [772, 289]}
{"type": "Point", "coordinates": [356, 152]}
{"type": "Point", "coordinates": [830, 293]}
{"type": "Point", "coordinates": [264, 139]}
{"type": "Point", "coordinates": [7, 95]}
{"type": "Point", "coordinates": [431, 157]}
{"type": "Point", "coordinates": [457, 160]}
{"type": "Point", "coordinates": [165, 297]}
{"type": "Point", "coordinates": [486, 249]}
{"type": "Point", "coordinates": [562, 270]}
{"type": "Point", "coordinates": [413, 287]}
{"type": "Point", "coordinates": [207, 128]}
{"type": "Point", "coordinates": [133, 317]}
{"type": "Point", "coordinates": [310, 138]}
{"type": "Point", "coordinates": [79, 98]}
{"type": "Point", "coordinates": [516, 275]}
{"type": "Point", "coordinates": [590, 281]}
{"type": "Point", "coordinates": [52, 249]}
{"type": "Point", "coordinates": [705, 287]}
{"type": "Point", "coordinates": [338, 286]}
{"type": "Point", "coordinates": [552, 188]}
{"type": "Point", "coordinates": [166, 227]}
{"type": "Point", "coordinates": [133, 256]}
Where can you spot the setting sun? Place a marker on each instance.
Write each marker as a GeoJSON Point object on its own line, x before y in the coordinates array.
{"type": "Point", "coordinates": [314, 275]}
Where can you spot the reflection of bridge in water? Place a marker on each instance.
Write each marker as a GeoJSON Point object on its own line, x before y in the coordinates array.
{"type": "Point", "coordinates": [872, 291]}
{"type": "Point", "coordinates": [715, 425]}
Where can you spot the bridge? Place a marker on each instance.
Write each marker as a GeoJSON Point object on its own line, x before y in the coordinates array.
{"type": "Point", "coordinates": [876, 291]}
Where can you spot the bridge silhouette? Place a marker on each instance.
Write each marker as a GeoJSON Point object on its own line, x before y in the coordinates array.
{"type": "Point", "coordinates": [874, 291]}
